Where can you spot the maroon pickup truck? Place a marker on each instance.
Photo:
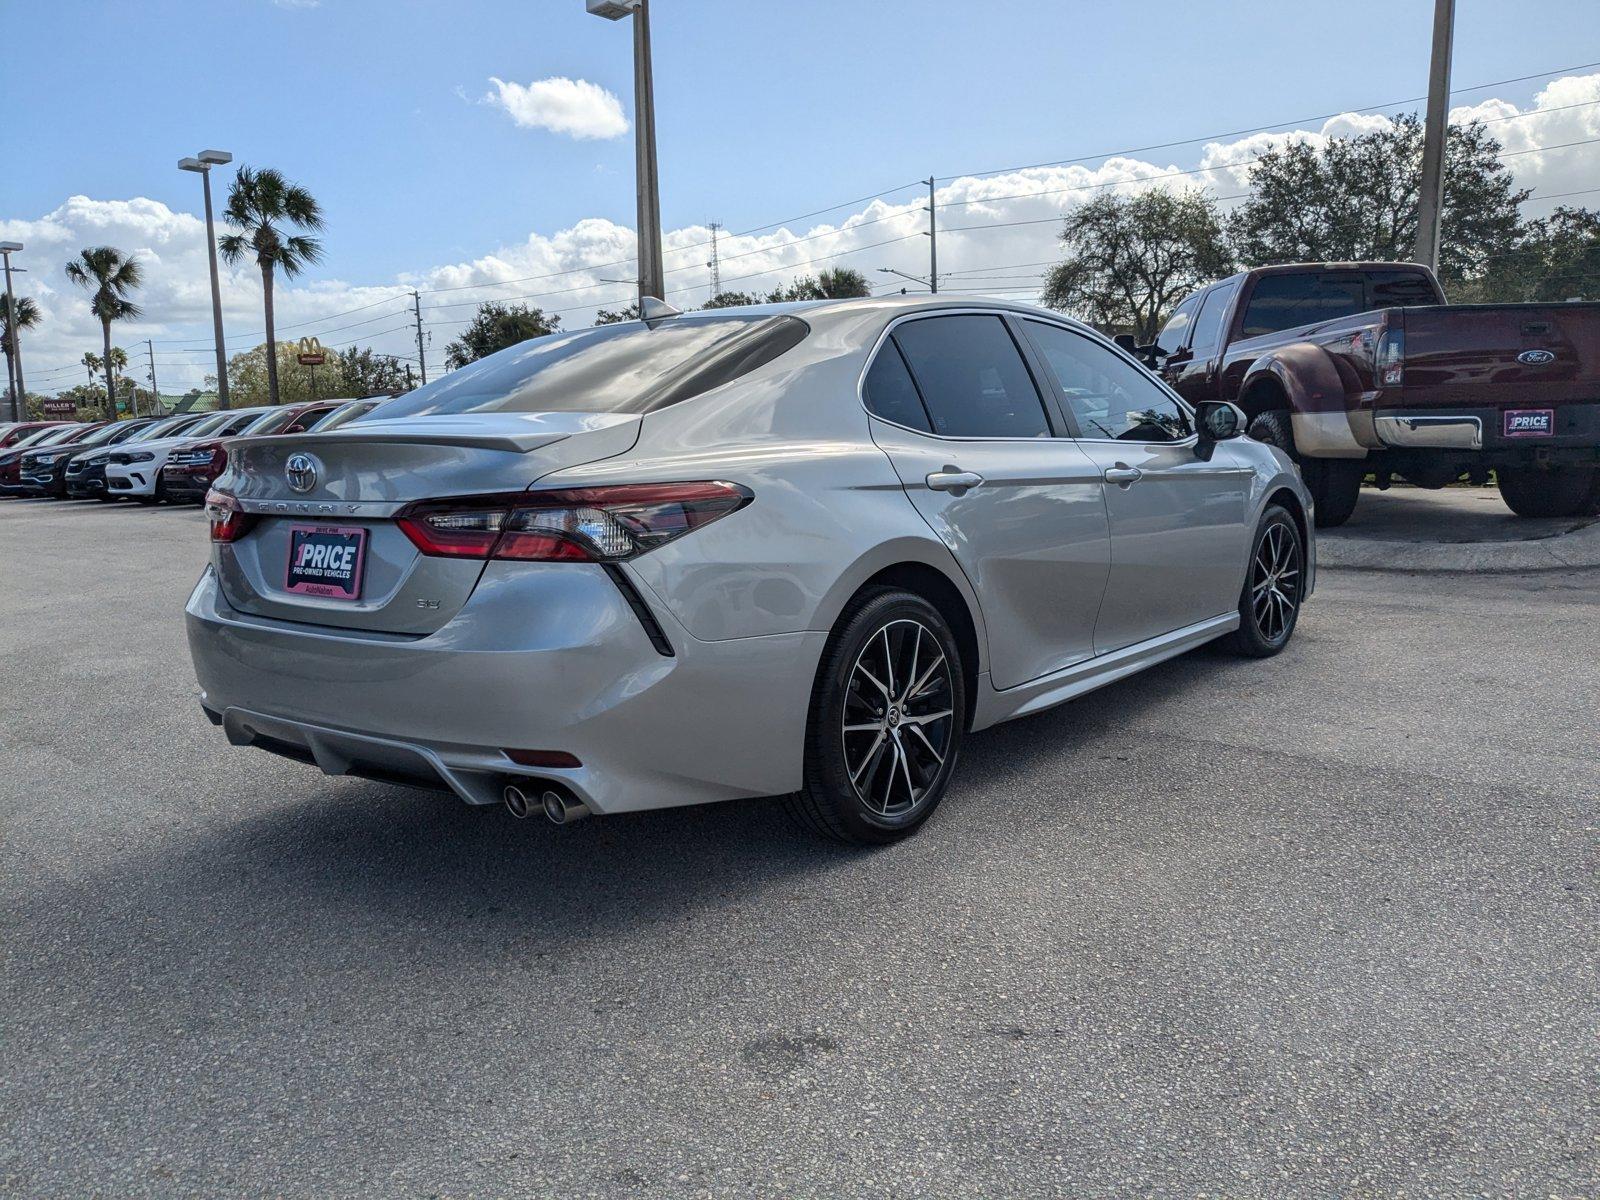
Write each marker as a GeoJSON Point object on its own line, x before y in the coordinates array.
{"type": "Point", "coordinates": [1362, 367]}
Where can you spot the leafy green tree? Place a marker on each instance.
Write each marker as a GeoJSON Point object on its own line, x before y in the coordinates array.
{"type": "Point", "coordinates": [1131, 258]}
{"type": "Point", "coordinates": [732, 300]}
{"type": "Point", "coordinates": [494, 327]}
{"type": "Point", "coordinates": [609, 316]}
{"type": "Point", "coordinates": [261, 205]}
{"type": "Point", "coordinates": [25, 316]}
{"type": "Point", "coordinates": [111, 278]}
{"type": "Point", "coordinates": [252, 379]}
{"type": "Point", "coordinates": [365, 373]}
{"type": "Point", "coordinates": [1356, 199]}
{"type": "Point", "coordinates": [841, 283]}
{"type": "Point", "coordinates": [1556, 259]}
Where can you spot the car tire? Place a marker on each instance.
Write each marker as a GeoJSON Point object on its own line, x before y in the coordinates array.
{"type": "Point", "coordinates": [880, 781]}
{"type": "Point", "coordinates": [1274, 586]}
{"type": "Point", "coordinates": [1334, 483]}
{"type": "Point", "coordinates": [1559, 492]}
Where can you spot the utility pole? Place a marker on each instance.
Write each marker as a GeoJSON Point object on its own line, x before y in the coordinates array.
{"type": "Point", "coordinates": [933, 240]}
{"type": "Point", "coordinates": [1430, 201]}
{"type": "Point", "coordinates": [715, 264]}
{"type": "Point", "coordinates": [409, 382]}
{"type": "Point", "coordinates": [422, 355]}
{"type": "Point", "coordinates": [18, 402]}
{"type": "Point", "coordinates": [155, 392]}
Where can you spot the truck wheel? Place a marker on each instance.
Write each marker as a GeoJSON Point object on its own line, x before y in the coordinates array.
{"type": "Point", "coordinates": [1559, 492]}
{"type": "Point", "coordinates": [1334, 483]}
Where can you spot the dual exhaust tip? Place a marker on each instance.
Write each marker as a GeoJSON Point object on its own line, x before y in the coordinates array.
{"type": "Point", "coordinates": [559, 807]}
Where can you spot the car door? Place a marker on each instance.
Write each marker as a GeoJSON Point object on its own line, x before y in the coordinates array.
{"type": "Point", "coordinates": [956, 408]}
{"type": "Point", "coordinates": [1177, 520]}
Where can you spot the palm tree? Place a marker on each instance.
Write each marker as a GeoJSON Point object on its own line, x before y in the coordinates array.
{"type": "Point", "coordinates": [91, 363]}
{"type": "Point", "coordinates": [119, 370]}
{"type": "Point", "coordinates": [259, 204]}
{"type": "Point", "coordinates": [28, 315]}
{"type": "Point", "coordinates": [112, 276]}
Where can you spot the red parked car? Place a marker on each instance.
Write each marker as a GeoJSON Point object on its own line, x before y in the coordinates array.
{"type": "Point", "coordinates": [190, 471]}
{"type": "Point", "coordinates": [56, 433]}
{"type": "Point", "coordinates": [10, 435]}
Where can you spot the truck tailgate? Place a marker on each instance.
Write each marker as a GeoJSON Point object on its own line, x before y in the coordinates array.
{"type": "Point", "coordinates": [1499, 356]}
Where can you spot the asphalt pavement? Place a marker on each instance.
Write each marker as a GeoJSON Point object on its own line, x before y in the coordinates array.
{"type": "Point", "coordinates": [1319, 925]}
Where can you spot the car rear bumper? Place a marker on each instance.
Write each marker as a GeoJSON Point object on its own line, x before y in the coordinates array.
{"type": "Point", "coordinates": [542, 657]}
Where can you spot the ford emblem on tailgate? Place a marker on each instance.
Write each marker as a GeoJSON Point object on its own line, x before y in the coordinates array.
{"type": "Point", "coordinates": [1533, 358]}
{"type": "Point", "coordinates": [302, 472]}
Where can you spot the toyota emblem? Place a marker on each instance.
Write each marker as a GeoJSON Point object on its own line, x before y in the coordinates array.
{"type": "Point", "coordinates": [1536, 358]}
{"type": "Point", "coordinates": [302, 472]}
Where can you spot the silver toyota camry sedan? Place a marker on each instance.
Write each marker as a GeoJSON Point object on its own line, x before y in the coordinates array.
{"type": "Point", "coordinates": [797, 550]}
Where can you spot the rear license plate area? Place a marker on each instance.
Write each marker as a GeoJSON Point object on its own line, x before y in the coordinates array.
{"type": "Point", "coordinates": [326, 561]}
{"type": "Point", "coordinates": [1528, 422]}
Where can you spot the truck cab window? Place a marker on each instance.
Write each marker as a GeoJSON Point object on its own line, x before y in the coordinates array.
{"type": "Point", "coordinates": [1175, 332]}
{"type": "Point", "coordinates": [1208, 325]}
{"type": "Point", "coordinates": [1284, 301]}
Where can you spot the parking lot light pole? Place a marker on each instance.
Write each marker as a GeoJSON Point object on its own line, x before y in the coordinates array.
{"type": "Point", "coordinates": [14, 373]}
{"type": "Point", "coordinates": [201, 165]}
{"type": "Point", "coordinates": [652, 278]}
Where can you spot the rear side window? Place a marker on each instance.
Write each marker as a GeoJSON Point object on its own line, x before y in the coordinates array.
{"type": "Point", "coordinates": [624, 368]}
{"type": "Point", "coordinates": [889, 392]}
{"type": "Point", "coordinates": [971, 377]}
{"type": "Point", "coordinates": [1284, 301]}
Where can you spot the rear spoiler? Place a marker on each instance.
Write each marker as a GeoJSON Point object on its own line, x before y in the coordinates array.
{"type": "Point", "coordinates": [518, 443]}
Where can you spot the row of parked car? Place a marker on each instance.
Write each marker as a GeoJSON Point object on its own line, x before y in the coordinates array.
{"type": "Point", "coordinates": [148, 459]}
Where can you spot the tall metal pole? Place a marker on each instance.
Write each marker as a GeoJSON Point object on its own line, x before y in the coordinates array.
{"type": "Point", "coordinates": [933, 241]}
{"type": "Point", "coordinates": [1430, 202]}
{"type": "Point", "coordinates": [652, 278]}
{"type": "Point", "coordinates": [18, 405]}
{"type": "Point", "coordinates": [422, 355]}
{"type": "Point", "coordinates": [216, 297]}
{"type": "Point", "coordinates": [155, 392]}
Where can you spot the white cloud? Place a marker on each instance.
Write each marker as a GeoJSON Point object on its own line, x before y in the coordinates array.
{"type": "Point", "coordinates": [297, 4]}
{"type": "Point", "coordinates": [574, 107]}
{"type": "Point", "coordinates": [995, 234]}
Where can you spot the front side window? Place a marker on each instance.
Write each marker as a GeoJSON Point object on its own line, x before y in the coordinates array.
{"type": "Point", "coordinates": [1208, 325]}
{"type": "Point", "coordinates": [1282, 302]}
{"type": "Point", "coordinates": [1110, 397]}
{"type": "Point", "coordinates": [1174, 333]}
{"type": "Point", "coordinates": [971, 377]}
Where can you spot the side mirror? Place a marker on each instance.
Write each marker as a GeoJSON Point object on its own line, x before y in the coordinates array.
{"type": "Point", "coordinates": [1217, 421]}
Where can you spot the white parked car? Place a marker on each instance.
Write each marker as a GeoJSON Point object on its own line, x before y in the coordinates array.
{"type": "Point", "coordinates": [135, 471]}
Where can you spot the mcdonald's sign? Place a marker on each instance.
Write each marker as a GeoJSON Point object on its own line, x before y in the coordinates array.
{"type": "Point", "coordinates": [311, 353]}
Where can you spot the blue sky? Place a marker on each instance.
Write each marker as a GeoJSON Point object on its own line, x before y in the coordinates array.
{"type": "Point", "coordinates": [765, 111]}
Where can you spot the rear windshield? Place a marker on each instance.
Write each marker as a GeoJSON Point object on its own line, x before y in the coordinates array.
{"type": "Point", "coordinates": [622, 368]}
{"type": "Point", "coordinates": [1281, 302]}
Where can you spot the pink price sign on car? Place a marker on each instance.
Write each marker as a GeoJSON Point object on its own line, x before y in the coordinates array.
{"type": "Point", "coordinates": [326, 561]}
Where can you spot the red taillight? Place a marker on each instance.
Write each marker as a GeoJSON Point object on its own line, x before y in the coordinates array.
{"type": "Point", "coordinates": [1392, 357]}
{"type": "Point", "coordinates": [600, 524]}
{"type": "Point", "coordinates": [228, 521]}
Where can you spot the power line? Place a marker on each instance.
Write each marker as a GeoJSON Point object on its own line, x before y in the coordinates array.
{"type": "Point", "coordinates": [1061, 162]}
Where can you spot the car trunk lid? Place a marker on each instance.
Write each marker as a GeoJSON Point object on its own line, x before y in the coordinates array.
{"type": "Point", "coordinates": [358, 476]}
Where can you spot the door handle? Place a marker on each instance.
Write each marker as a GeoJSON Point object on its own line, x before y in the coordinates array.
{"type": "Point", "coordinates": [952, 480]}
{"type": "Point", "coordinates": [1123, 475]}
